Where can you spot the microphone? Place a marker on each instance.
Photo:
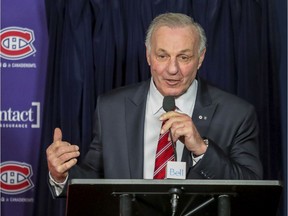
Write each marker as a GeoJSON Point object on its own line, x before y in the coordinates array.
{"type": "Point", "coordinates": [169, 105]}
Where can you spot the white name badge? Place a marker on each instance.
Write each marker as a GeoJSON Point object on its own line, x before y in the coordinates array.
{"type": "Point", "coordinates": [176, 170]}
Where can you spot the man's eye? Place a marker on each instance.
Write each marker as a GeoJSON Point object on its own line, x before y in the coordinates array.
{"type": "Point", "coordinates": [184, 58]}
{"type": "Point", "coordinates": [162, 57]}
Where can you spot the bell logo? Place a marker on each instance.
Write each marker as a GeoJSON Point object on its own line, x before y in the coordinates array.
{"type": "Point", "coordinates": [15, 177]}
{"type": "Point", "coordinates": [16, 43]}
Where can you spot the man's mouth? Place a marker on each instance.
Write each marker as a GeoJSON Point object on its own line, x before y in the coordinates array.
{"type": "Point", "coordinates": [172, 82]}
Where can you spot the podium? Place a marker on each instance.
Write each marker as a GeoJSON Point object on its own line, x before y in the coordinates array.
{"type": "Point", "coordinates": [111, 197]}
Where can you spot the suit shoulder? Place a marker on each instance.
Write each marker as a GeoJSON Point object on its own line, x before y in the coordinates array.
{"type": "Point", "coordinates": [129, 91]}
{"type": "Point", "coordinates": [225, 98]}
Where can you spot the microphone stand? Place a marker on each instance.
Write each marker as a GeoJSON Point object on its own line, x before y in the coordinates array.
{"type": "Point", "coordinates": [175, 192]}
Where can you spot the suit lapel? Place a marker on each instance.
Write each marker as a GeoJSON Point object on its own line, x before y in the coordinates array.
{"type": "Point", "coordinates": [204, 108]}
{"type": "Point", "coordinates": [202, 115]}
{"type": "Point", "coordinates": [135, 107]}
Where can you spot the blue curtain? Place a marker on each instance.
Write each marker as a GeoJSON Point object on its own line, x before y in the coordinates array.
{"type": "Point", "coordinates": [98, 45]}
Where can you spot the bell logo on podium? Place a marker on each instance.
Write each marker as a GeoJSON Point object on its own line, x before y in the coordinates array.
{"type": "Point", "coordinates": [176, 170]}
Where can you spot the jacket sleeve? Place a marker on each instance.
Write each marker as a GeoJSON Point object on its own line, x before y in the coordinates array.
{"type": "Point", "coordinates": [234, 155]}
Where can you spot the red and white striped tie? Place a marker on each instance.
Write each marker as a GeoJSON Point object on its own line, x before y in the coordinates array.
{"type": "Point", "coordinates": [164, 153]}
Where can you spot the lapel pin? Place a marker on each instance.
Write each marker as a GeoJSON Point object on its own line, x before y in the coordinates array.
{"type": "Point", "coordinates": [202, 117]}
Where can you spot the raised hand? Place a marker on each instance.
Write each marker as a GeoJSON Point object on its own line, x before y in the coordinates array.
{"type": "Point", "coordinates": [61, 156]}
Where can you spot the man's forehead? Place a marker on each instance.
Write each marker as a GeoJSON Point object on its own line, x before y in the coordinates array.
{"type": "Point", "coordinates": [180, 41]}
{"type": "Point", "coordinates": [165, 33]}
{"type": "Point", "coordinates": [162, 50]}
{"type": "Point", "coordinates": [189, 28]}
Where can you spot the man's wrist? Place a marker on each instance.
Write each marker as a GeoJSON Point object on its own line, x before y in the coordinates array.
{"type": "Point", "coordinates": [57, 183]}
{"type": "Point", "coordinates": [206, 142]}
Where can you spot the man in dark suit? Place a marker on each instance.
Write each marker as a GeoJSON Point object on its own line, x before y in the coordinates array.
{"type": "Point", "coordinates": [216, 133]}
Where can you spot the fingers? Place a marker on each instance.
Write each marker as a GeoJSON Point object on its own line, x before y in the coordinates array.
{"type": "Point", "coordinates": [174, 120]}
{"type": "Point", "coordinates": [61, 170]}
{"type": "Point", "coordinates": [170, 114]}
{"type": "Point", "coordinates": [59, 153]}
{"type": "Point", "coordinates": [57, 135]}
{"type": "Point", "coordinates": [177, 123]}
{"type": "Point", "coordinates": [61, 156]}
{"type": "Point", "coordinates": [182, 128]}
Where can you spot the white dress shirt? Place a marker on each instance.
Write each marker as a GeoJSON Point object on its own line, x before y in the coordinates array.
{"type": "Point", "coordinates": [184, 104]}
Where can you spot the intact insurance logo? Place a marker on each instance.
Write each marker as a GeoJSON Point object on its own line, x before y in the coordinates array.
{"type": "Point", "coordinates": [28, 117]}
{"type": "Point", "coordinates": [15, 177]}
{"type": "Point", "coordinates": [17, 43]}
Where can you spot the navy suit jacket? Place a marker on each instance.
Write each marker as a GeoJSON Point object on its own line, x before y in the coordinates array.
{"type": "Point", "coordinates": [117, 150]}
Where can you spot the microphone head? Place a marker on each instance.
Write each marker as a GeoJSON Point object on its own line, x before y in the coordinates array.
{"type": "Point", "coordinates": [169, 103]}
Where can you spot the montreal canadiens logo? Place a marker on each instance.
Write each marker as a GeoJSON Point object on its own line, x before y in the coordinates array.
{"type": "Point", "coordinates": [16, 43]}
{"type": "Point", "coordinates": [15, 177]}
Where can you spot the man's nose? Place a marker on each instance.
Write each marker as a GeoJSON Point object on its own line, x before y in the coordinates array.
{"type": "Point", "coordinates": [173, 66]}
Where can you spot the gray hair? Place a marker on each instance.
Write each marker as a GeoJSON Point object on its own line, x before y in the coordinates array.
{"type": "Point", "coordinates": [173, 20]}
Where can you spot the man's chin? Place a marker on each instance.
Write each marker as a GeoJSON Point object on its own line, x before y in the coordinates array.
{"type": "Point", "coordinates": [173, 93]}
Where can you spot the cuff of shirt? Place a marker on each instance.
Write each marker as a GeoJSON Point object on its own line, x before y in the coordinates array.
{"type": "Point", "coordinates": [58, 187]}
{"type": "Point", "coordinates": [195, 160]}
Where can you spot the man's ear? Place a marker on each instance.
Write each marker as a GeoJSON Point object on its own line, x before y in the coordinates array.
{"type": "Point", "coordinates": [201, 58]}
{"type": "Point", "coordinates": [148, 57]}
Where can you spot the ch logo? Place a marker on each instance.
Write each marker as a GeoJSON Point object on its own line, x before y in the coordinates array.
{"type": "Point", "coordinates": [16, 43]}
{"type": "Point", "coordinates": [15, 177]}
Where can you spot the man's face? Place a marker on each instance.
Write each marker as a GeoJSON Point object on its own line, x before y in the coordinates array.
{"type": "Point", "coordinates": [174, 59]}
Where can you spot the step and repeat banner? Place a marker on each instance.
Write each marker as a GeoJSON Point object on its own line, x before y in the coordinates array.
{"type": "Point", "coordinates": [24, 42]}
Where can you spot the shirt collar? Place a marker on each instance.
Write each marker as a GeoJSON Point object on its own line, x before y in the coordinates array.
{"type": "Point", "coordinates": [156, 98]}
{"type": "Point", "coordinates": [185, 103]}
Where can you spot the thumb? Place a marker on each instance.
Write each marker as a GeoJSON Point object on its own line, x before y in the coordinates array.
{"type": "Point", "coordinates": [57, 135]}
